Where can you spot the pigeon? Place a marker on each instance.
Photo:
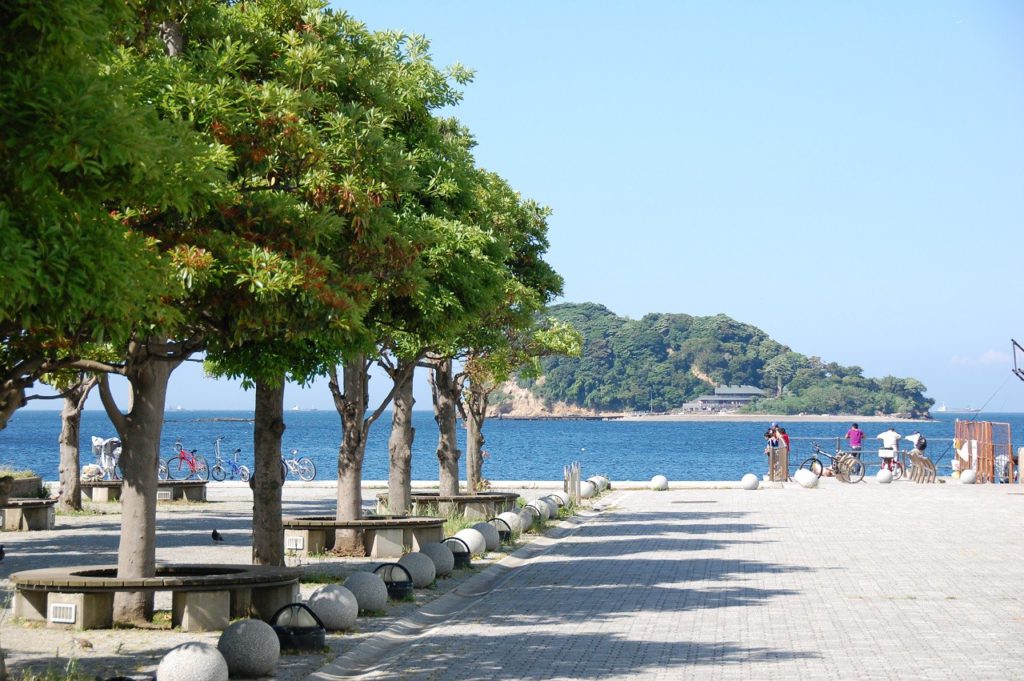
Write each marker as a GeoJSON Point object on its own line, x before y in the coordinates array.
{"type": "Point", "coordinates": [217, 537]}
{"type": "Point", "coordinates": [82, 643]}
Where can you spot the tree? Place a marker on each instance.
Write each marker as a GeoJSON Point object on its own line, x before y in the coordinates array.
{"type": "Point", "coordinates": [75, 142]}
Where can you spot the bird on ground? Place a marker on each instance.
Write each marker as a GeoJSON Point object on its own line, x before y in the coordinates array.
{"type": "Point", "coordinates": [217, 537]}
{"type": "Point", "coordinates": [82, 643]}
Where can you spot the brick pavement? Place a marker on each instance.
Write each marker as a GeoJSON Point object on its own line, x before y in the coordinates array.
{"type": "Point", "coordinates": [863, 581]}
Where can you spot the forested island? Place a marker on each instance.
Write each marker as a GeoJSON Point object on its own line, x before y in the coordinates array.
{"type": "Point", "coordinates": [662, 361]}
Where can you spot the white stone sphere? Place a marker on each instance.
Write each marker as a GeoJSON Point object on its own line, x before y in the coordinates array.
{"type": "Point", "coordinates": [543, 510]}
{"type": "Point", "coordinates": [475, 540]}
{"type": "Point", "coordinates": [336, 607]}
{"type": "Point", "coordinates": [587, 489]}
{"type": "Point", "coordinates": [560, 498]}
{"type": "Point", "coordinates": [421, 568]}
{"type": "Point", "coordinates": [442, 557]}
{"type": "Point", "coordinates": [491, 537]}
{"type": "Point", "coordinates": [527, 517]}
{"type": "Point", "coordinates": [968, 477]}
{"type": "Point", "coordinates": [250, 648]}
{"type": "Point", "coordinates": [659, 483]}
{"type": "Point", "coordinates": [550, 503]}
{"type": "Point", "coordinates": [806, 478]}
{"type": "Point", "coordinates": [193, 661]}
{"type": "Point", "coordinates": [884, 476]}
{"type": "Point", "coordinates": [602, 482]}
{"type": "Point", "coordinates": [369, 589]}
{"type": "Point", "coordinates": [515, 523]}
{"type": "Point", "coordinates": [597, 482]}
{"type": "Point", "coordinates": [750, 481]}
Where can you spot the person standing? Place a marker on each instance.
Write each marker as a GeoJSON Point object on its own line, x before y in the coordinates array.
{"type": "Point", "coordinates": [783, 439]}
{"type": "Point", "coordinates": [856, 437]}
{"type": "Point", "coordinates": [890, 447]}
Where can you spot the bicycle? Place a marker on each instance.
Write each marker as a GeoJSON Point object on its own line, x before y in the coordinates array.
{"type": "Point", "coordinates": [894, 465]}
{"type": "Point", "coordinates": [185, 465]}
{"type": "Point", "coordinates": [109, 454]}
{"type": "Point", "coordinates": [223, 469]}
{"type": "Point", "coordinates": [845, 466]}
{"type": "Point", "coordinates": [300, 466]}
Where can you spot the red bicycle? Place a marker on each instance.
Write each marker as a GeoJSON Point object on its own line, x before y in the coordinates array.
{"type": "Point", "coordinates": [185, 465]}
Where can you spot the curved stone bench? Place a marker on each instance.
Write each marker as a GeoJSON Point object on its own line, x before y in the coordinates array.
{"type": "Point", "coordinates": [384, 536]}
{"type": "Point", "coordinates": [204, 597]}
{"type": "Point", "coordinates": [474, 506]}
{"type": "Point", "coordinates": [166, 490]}
{"type": "Point", "coordinates": [28, 515]}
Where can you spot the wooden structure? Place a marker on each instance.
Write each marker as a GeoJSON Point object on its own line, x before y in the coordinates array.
{"type": "Point", "coordinates": [204, 597]}
{"type": "Point", "coordinates": [479, 506]}
{"type": "Point", "coordinates": [987, 448]}
{"type": "Point", "coordinates": [778, 464]}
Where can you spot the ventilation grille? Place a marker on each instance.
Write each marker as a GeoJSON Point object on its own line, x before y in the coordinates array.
{"type": "Point", "coordinates": [63, 613]}
{"type": "Point", "coordinates": [294, 543]}
{"type": "Point", "coordinates": [164, 495]}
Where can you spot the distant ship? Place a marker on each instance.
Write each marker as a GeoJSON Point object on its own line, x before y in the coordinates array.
{"type": "Point", "coordinates": [296, 408]}
{"type": "Point", "coordinates": [957, 410]}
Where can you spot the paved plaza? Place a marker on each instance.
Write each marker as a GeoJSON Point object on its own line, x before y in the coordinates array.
{"type": "Point", "coordinates": [864, 581]}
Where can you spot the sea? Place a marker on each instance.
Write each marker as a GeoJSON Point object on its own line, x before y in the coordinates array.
{"type": "Point", "coordinates": [516, 449]}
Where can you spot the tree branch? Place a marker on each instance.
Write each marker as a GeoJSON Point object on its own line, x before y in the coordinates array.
{"type": "Point", "coordinates": [110, 405]}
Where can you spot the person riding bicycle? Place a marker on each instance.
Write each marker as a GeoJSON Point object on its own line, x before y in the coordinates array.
{"type": "Point", "coordinates": [890, 447]}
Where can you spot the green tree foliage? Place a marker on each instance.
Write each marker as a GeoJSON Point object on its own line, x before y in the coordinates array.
{"type": "Point", "coordinates": [76, 144]}
{"type": "Point", "coordinates": [664, 360]}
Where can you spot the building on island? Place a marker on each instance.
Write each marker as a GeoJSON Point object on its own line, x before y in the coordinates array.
{"type": "Point", "coordinates": [726, 398]}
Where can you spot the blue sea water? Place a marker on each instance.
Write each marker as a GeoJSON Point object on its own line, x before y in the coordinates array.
{"type": "Point", "coordinates": [518, 449]}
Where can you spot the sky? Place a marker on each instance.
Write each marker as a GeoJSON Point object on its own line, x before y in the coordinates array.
{"type": "Point", "coordinates": [849, 177]}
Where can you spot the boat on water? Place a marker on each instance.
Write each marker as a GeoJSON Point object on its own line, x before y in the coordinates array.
{"type": "Point", "coordinates": [941, 407]}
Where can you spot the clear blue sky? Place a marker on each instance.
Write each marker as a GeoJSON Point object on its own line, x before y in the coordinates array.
{"type": "Point", "coordinates": [848, 177]}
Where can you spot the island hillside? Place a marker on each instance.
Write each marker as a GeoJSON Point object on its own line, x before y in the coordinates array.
{"type": "Point", "coordinates": [665, 362]}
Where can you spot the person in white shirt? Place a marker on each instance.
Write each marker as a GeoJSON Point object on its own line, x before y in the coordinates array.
{"type": "Point", "coordinates": [890, 446]}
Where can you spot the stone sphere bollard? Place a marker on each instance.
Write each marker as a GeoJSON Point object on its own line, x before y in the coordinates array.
{"type": "Point", "coordinates": [884, 476]}
{"type": "Point", "coordinates": [369, 589]}
{"type": "Point", "coordinates": [603, 483]}
{"type": "Point", "coordinates": [750, 481]}
{"type": "Point", "coordinates": [513, 520]}
{"type": "Point", "coordinates": [542, 508]}
{"type": "Point", "coordinates": [442, 557]}
{"type": "Point", "coordinates": [250, 648]}
{"type": "Point", "coordinates": [805, 478]}
{"type": "Point", "coordinates": [659, 483]}
{"type": "Point", "coordinates": [193, 661]}
{"type": "Point", "coordinates": [492, 540]}
{"type": "Point", "coordinates": [421, 568]}
{"type": "Point", "coordinates": [476, 542]}
{"type": "Point", "coordinates": [527, 517]}
{"type": "Point", "coordinates": [336, 607]}
{"type": "Point", "coordinates": [560, 498]}
{"type": "Point", "coordinates": [968, 477]}
{"type": "Point", "coordinates": [550, 503]}
{"type": "Point", "coordinates": [587, 489]}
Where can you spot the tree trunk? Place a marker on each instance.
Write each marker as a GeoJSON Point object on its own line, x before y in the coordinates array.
{"type": "Point", "coordinates": [476, 413]}
{"type": "Point", "coordinates": [267, 526]}
{"type": "Point", "coordinates": [445, 394]}
{"type": "Point", "coordinates": [70, 480]}
{"type": "Point", "coordinates": [400, 444]}
{"type": "Point", "coordinates": [351, 406]}
{"type": "Point", "coordinates": [10, 400]}
{"type": "Point", "coordinates": [140, 451]}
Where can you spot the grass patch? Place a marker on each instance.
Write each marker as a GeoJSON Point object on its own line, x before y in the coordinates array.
{"type": "Point", "coordinates": [162, 618]}
{"type": "Point", "coordinates": [81, 512]}
{"type": "Point", "coordinates": [69, 672]}
{"type": "Point", "coordinates": [16, 473]}
{"type": "Point", "coordinates": [456, 522]}
{"type": "Point", "coordinates": [321, 578]}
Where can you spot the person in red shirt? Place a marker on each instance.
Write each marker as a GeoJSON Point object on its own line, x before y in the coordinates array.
{"type": "Point", "coordinates": [856, 437]}
{"type": "Point", "coordinates": [783, 438]}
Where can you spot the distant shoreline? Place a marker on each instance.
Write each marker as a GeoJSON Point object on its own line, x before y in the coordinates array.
{"type": "Point", "coordinates": [728, 418]}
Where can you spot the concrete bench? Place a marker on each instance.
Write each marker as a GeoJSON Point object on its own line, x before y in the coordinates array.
{"type": "Point", "coordinates": [166, 490]}
{"type": "Point", "coordinates": [384, 536]}
{"type": "Point", "coordinates": [482, 506]}
{"type": "Point", "coordinates": [204, 597]}
{"type": "Point", "coordinates": [27, 515]}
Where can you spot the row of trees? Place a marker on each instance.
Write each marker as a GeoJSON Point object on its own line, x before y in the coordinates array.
{"type": "Point", "coordinates": [663, 360]}
{"type": "Point", "coordinates": [270, 184]}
